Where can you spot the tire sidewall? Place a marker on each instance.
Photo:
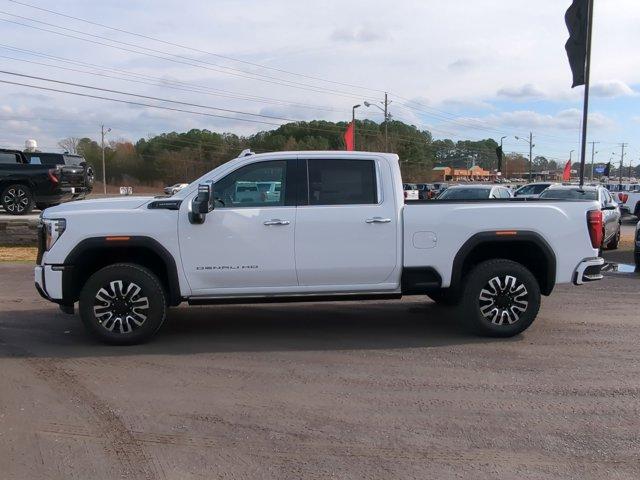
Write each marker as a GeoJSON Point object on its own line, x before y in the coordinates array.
{"type": "Point", "coordinates": [151, 288]}
{"type": "Point", "coordinates": [27, 191]}
{"type": "Point", "coordinates": [478, 279]}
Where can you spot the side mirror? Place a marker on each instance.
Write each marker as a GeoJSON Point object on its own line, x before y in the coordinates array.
{"type": "Point", "coordinates": [201, 204]}
{"type": "Point", "coordinates": [610, 206]}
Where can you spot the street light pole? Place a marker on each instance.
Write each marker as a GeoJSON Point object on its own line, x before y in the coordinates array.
{"type": "Point", "coordinates": [353, 122]}
{"type": "Point", "coordinates": [104, 168]}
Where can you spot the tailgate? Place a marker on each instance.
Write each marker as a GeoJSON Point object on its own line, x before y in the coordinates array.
{"type": "Point", "coordinates": [72, 176]}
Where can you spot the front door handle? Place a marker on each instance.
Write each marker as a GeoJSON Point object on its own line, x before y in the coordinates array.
{"type": "Point", "coordinates": [277, 221]}
{"type": "Point", "coordinates": [378, 220]}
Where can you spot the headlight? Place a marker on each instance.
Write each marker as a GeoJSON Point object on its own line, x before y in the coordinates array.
{"type": "Point", "coordinates": [53, 229]}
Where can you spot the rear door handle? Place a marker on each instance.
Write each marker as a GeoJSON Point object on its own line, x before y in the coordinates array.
{"type": "Point", "coordinates": [277, 221]}
{"type": "Point", "coordinates": [378, 220]}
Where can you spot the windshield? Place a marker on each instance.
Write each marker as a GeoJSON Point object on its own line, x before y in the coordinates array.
{"type": "Point", "coordinates": [74, 160]}
{"type": "Point", "coordinates": [571, 194]}
{"type": "Point", "coordinates": [464, 194]}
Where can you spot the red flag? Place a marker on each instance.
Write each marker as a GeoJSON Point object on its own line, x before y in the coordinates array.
{"type": "Point", "coordinates": [348, 137]}
{"type": "Point", "coordinates": [566, 175]}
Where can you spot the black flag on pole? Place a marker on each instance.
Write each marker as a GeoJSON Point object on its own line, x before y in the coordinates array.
{"type": "Point", "coordinates": [577, 20]}
{"type": "Point", "coordinates": [499, 154]}
{"type": "Point", "coordinates": [607, 170]}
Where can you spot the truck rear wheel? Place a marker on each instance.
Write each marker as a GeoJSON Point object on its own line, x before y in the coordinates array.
{"type": "Point", "coordinates": [123, 304]}
{"type": "Point", "coordinates": [17, 199]}
{"type": "Point", "coordinates": [500, 298]}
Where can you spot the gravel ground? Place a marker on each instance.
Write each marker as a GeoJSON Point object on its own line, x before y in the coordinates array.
{"type": "Point", "coordinates": [339, 390]}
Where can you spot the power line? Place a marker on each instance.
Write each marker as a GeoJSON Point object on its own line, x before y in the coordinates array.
{"type": "Point", "coordinates": [146, 97]}
{"type": "Point", "coordinates": [164, 83]}
{"type": "Point", "coordinates": [177, 58]}
{"type": "Point", "coordinates": [225, 57]}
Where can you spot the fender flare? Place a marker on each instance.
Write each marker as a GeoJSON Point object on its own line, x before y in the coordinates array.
{"type": "Point", "coordinates": [492, 237]}
{"type": "Point", "coordinates": [100, 243]}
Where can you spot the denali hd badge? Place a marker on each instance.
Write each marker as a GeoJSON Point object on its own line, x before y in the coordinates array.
{"type": "Point", "coordinates": [229, 267]}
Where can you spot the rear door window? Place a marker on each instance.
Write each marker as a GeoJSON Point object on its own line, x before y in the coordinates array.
{"type": "Point", "coordinates": [342, 182]}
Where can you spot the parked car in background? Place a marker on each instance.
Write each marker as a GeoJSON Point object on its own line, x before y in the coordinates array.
{"type": "Point", "coordinates": [426, 191]}
{"type": "Point", "coordinates": [532, 190]}
{"type": "Point", "coordinates": [24, 185]}
{"type": "Point", "coordinates": [439, 188]}
{"type": "Point", "coordinates": [475, 192]}
{"type": "Point", "coordinates": [611, 215]}
{"type": "Point", "coordinates": [82, 182]}
{"type": "Point", "coordinates": [411, 191]}
{"type": "Point", "coordinates": [173, 189]}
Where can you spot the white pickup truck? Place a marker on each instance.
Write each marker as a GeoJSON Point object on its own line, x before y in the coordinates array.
{"type": "Point", "coordinates": [335, 228]}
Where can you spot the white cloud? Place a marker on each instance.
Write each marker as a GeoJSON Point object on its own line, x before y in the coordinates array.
{"type": "Point", "coordinates": [523, 92]}
{"type": "Point", "coordinates": [568, 119]}
{"type": "Point", "coordinates": [362, 34]}
{"type": "Point", "coordinates": [612, 89]}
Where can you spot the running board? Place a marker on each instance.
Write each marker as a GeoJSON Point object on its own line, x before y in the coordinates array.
{"type": "Point", "coordinates": [351, 297]}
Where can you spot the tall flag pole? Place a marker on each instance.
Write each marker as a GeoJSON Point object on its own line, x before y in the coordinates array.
{"type": "Point", "coordinates": [579, 20]}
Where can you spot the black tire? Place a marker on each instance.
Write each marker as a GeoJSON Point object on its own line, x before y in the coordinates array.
{"type": "Point", "coordinates": [615, 241]}
{"type": "Point", "coordinates": [445, 297]}
{"type": "Point", "coordinates": [17, 199]}
{"type": "Point", "coordinates": [108, 308]}
{"type": "Point", "coordinates": [636, 257]}
{"type": "Point", "coordinates": [493, 304]}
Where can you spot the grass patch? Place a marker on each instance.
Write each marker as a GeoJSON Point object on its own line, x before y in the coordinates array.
{"type": "Point", "coordinates": [18, 254]}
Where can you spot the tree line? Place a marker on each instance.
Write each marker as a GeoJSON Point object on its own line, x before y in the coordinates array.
{"type": "Point", "coordinates": [178, 157]}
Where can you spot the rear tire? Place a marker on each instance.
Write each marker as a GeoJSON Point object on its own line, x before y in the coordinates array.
{"type": "Point", "coordinates": [17, 199]}
{"type": "Point", "coordinates": [500, 298]}
{"type": "Point", "coordinates": [123, 304]}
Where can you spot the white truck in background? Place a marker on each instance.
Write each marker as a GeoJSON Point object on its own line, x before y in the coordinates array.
{"type": "Point", "coordinates": [335, 228]}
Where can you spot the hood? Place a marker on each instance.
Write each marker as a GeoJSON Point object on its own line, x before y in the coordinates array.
{"type": "Point", "coordinates": [97, 205]}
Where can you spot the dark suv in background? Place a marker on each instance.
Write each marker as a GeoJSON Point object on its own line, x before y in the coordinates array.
{"type": "Point", "coordinates": [84, 185]}
{"type": "Point", "coordinates": [33, 180]}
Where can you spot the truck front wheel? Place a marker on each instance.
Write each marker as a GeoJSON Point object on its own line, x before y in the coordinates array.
{"type": "Point", "coordinates": [501, 298]}
{"type": "Point", "coordinates": [123, 304]}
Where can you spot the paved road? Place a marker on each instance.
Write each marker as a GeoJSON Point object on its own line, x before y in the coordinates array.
{"type": "Point", "coordinates": [364, 390]}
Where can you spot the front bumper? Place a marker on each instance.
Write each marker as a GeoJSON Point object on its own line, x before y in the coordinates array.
{"type": "Point", "coordinates": [588, 271]}
{"type": "Point", "coordinates": [48, 279]}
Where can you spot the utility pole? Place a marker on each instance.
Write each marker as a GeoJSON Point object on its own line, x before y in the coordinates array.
{"type": "Point", "coordinates": [623, 145]}
{"type": "Point", "coordinates": [593, 156]}
{"type": "Point", "coordinates": [104, 168]}
{"type": "Point", "coordinates": [387, 117]}
{"type": "Point", "coordinates": [530, 157]}
{"type": "Point", "coordinates": [531, 145]}
{"type": "Point", "coordinates": [386, 122]}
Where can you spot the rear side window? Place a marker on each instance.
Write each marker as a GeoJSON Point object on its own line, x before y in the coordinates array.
{"type": "Point", "coordinates": [342, 182]}
{"type": "Point", "coordinates": [8, 158]}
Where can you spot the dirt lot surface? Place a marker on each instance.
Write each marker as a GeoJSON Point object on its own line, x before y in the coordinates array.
{"type": "Point", "coordinates": [340, 390]}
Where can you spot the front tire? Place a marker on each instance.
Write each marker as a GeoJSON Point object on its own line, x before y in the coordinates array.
{"type": "Point", "coordinates": [500, 298]}
{"type": "Point", "coordinates": [17, 199]}
{"type": "Point", "coordinates": [123, 304]}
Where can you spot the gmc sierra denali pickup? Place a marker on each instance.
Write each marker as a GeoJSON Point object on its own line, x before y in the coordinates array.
{"type": "Point", "coordinates": [333, 226]}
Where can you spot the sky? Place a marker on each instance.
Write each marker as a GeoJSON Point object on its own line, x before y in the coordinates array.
{"type": "Point", "coordinates": [462, 69]}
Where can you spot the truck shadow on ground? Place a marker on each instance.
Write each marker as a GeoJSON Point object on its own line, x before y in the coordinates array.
{"type": "Point", "coordinates": [247, 328]}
